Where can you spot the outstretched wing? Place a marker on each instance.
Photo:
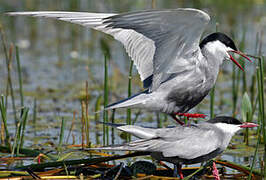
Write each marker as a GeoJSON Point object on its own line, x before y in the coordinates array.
{"type": "Point", "coordinates": [160, 42]}
{"type": "Point", "coordinates": [139, 47]}
{"type": "Point", "coordinates": [175, 33]}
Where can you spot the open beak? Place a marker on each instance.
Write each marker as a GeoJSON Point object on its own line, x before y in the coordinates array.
{"type": "Point", "coordinates": [241, 54]}
{"type": "Point", "coordinates": [248, 125]}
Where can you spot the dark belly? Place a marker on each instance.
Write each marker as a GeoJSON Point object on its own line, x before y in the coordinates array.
{"type": "Point", "coordinates": [186, 100]}
{"type": "Point", "coordinates": [176, 159]}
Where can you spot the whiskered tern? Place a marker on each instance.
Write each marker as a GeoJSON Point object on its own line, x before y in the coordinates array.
{"type": "Point", "coordinates": [177, 70]}
{"type": "Point", "coordinates": [183, 144]}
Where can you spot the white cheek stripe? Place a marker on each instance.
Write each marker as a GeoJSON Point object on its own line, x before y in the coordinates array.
{"type": "Point", "coordinates": [218, 50]}
{"type": "Point", "coordinates": [228, 128]}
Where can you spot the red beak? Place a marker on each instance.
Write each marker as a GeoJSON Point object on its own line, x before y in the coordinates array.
{"type": "Point", "coordinates": [248, 125]}
{"type": "Point", "coordinates": [241, 54]}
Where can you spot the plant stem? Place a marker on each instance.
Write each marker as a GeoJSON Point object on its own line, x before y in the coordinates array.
{"type": "Point", "coordinates": [24, 118]}
{"type": "Point", "coordinates": [129, 94]}
{"type": "Point", "coordinates": [105, 113]}
{"type": "Point", "coordinates": [61, 136]}
{"type": "Point", "coordinates": [3, 115]}
{"type": "Point", "coordinates": [212, 99]}
{"type": "Point", "coordinates": [255, 153]}
{"type": "Point", "coordinates": [96, 118]}
{"type": "Point", "coordinates": [19, 77]}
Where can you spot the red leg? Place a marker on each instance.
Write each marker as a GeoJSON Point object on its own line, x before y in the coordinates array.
{"type": "Point", "coordinates": [215, 171]}
{"type": "Point", "coordinates": [179, 168]}
{"type": "Point", "coordinates": [177, 120]}
{"type": "Point", "coordinates": [188, 115]}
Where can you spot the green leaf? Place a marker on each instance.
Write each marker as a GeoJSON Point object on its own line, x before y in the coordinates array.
{"type": "Point", "coordinates": [246, 108]}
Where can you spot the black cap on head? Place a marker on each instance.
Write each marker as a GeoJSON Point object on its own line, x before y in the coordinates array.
{"type": "Point", "coordinates": [225, 119]}
{"type": "Point", "coordinates": [221, 37]}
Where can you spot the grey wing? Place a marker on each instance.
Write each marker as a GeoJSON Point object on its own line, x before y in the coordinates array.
{"type": "Point", "coordinates": [188, 143]}
{"type": "Point", "coordinates": [139, 47]}
{"type": "Point", "coordinates": [195, 144]}
{"type": "Point", "coordinates": [176, 35]}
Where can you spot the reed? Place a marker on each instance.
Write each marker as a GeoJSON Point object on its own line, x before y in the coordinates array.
{"type": "Point", "coordinates": [243, 73]}
{"type": "Point", "coordinates": [16, 139]}
{"type": "Point", "coordinates": [105, 101]}
{"type": "Point", "coordinates": [18, 144]}
{"type": "Point", "coordinates": [153, 4]}
{"type": "Point", "coordinates": [24, 117]}
{"type": "Point", "coordinates": [85, 124]}
{"type": "Point", "coordinates": [9, 80]}
{"type": "Point", "coordinates": [252, 90]}
{"type": "Point", "coordinates": [20, 130]}
{"type": "Point", "coordinates": [247, 113]}
{"type": "Point", "coordinates": [87, 118]}
{"type": "Point", "coordinates": [19, 78]}
{"type": "Point", "coordinates": [4, 44]}
{"type": "Point", "coordinates": [235, 88]}
{"type": "Point", "coordinates": [107, 55]}
{"type": "Point", "coordinates": [72, 126]}
{"type": "Point", "coordinates": [212, 102]}
{"type": "Point", "coordinates": [255, 154]}
{"type": "Point", "coordinates": [61, 135]}
{"type": "Point", "coordinates": [212, 93]}
{"type": "Point", "coordinates": [260, 79]}
{"type": "Point", "coordinates": [82, 124]}
{"type": "Point", "coordinates": [34, 114]}
{"type": "Point", "coordinates": [97, 108]}
{"type": "Point", "coordinates": [137, 114]}
{"type": "Point", "coordinates": [129, 94]}
{"type": "Point", "coordinates": [112, 128]}
{"type": "Point", "coordinates": [8, 56]}
{"type": "Point", "coordinates": [260, 85]}
{"type": "Point", "coordinates": [3, 111]}
{"type": "Point", "coordinates": [159, 121]}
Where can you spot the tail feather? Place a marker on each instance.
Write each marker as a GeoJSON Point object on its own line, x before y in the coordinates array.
{"type": "Point", "coordinates": [140, 132]}
{"type": "Point", "coordinates": [132, 101]}
{"type": "Point", "coordinates": [138, 145]}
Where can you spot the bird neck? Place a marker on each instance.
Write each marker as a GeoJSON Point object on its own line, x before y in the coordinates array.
{"type": "Point", "coordinates": [209, 69]}
{"type": "Point", "coordinates": [214, 52]}
{"type": "Point", "coordinates": [228, 132]}
{"type": "Point", "coordinates": [213, 59]}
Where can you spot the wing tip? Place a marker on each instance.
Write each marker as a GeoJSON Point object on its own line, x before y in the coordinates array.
{"type": "Point", "coordinates": [10, 13]}
{"type": "Point", "coordinates": [125, 127]}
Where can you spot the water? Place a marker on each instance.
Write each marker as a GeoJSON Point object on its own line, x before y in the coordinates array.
{"type": "Point", "coordinates": [57, 58]}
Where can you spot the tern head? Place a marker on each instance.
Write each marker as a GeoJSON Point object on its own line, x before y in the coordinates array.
{"type": "Point", "coordinates": [220, 46]}
{"type": "Point", "coordinates": [229, 124]}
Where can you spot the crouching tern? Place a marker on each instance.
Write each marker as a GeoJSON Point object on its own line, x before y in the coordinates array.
{"type": "Point", "coordinates": [183, 144]}
{"type": "Point", "coordinates": [177, 70]}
